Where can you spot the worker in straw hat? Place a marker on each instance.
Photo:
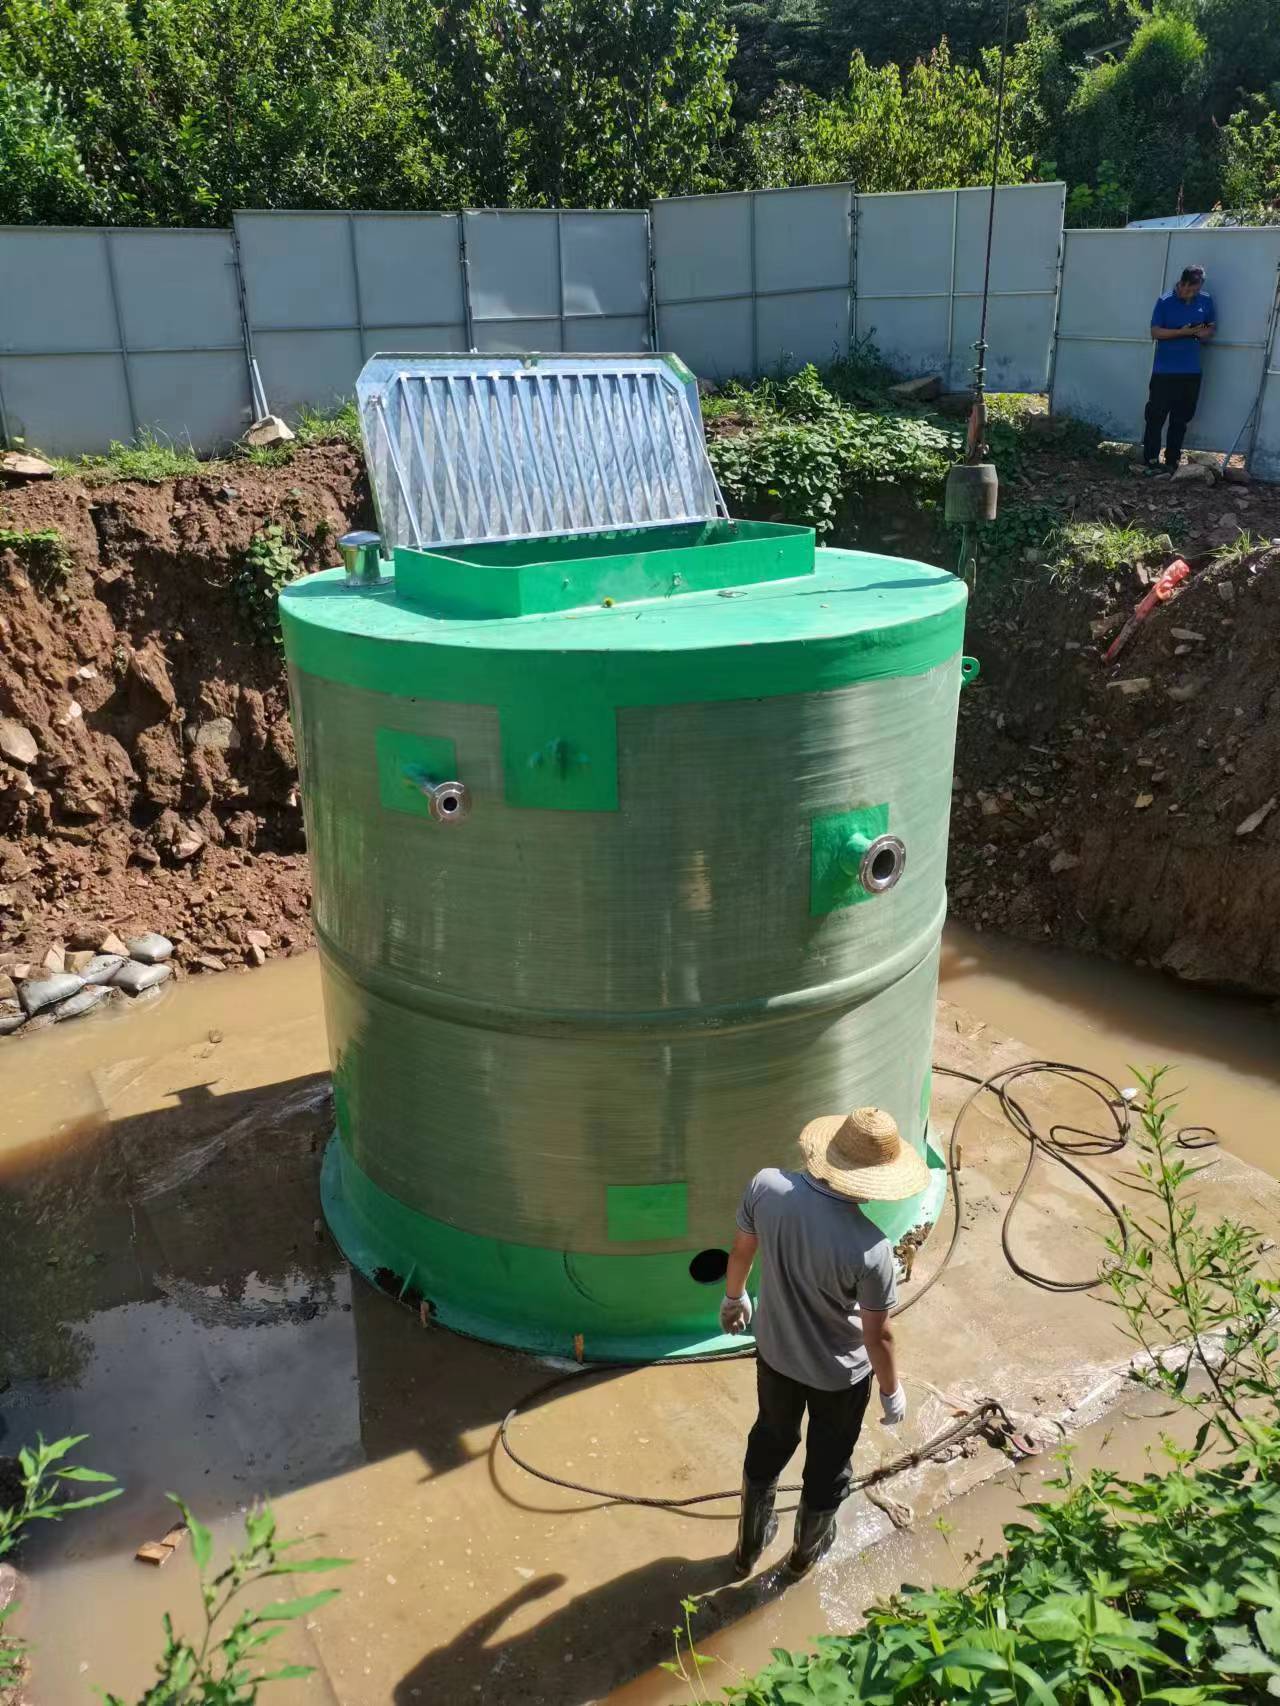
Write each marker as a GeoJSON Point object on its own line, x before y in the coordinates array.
{"type": "Point", "coordinates": [826, 1290]}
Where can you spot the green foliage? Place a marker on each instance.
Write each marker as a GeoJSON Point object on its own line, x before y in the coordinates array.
{"type": "Point", "coordinates": [178, 111]}
{"type": "Point", "coordinates": [149, 458]}
{"type": "Point", "coordinates": [1194, 1297]}
{"type": "Point", "coordinates": [45, 1479]}
{"type": "Point", "coordinates": [271, 560]}
{"type": "Point", "coordinates": [1251, 156]}
{"type": "Point", "coordinates": [921, 128]}
{"type": "Point", "coordinates": [43, 554]}
{"type": "Point", "coordinates": [1100, 550]}
{"type": "Point", "coordinates": [792, 450]}
{"type": "Point", "coordinates": [221, 1667]}
{"type": "Point", "coordinates": [1130, 133]}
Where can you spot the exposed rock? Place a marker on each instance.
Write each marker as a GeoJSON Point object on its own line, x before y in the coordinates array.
{"type": "Point", "coordinates": [111, 944]}
{"type": "Point", "coordinates": [151, 949]}
{"type": "Point", "coordinates": [1226, 592]}
{"type": "Point", "coordinates": [55, 960]}
{"type": "Point", "coordinates": [254, 955]}
{"type": "Point", "coordinates": [1235, 476]}
{"type": "Point", "coordinates": [1063, 861]}
{"type": "Point", "coordinates": [1194, 471]}
{"type": "Point", "coordinates": [269, 430]}
{"type": "Point", "coordinates": [17, 743]}
{"type": "Point", "coordinates": [1186, 634]}
{"type": "Point", "coordinates": [257, 938]}
{"type": "Point", "coordinates": [37, 993]}
{"type": "Point", "coordinates": [1135, 684]}
{"type": "Point", "coordinates": [133, 977]}
{"type": "Point", "coordinates": [150, 679]}
{"type": "Point", "coordinates": [16, 465]}
{"type": "Point", "coordinates": [1257, 818]}
{"type": "Point", "coordinates": [1229, 521]}
{"type": "Point", "coordinates": [1143, 801]}
{"type": "Point", "coordinates": [219, 734]}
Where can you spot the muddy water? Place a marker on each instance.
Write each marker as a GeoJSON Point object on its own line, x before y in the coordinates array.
{"type": "Point", "coordinates": [167, 1289]}
{"type": "Point", "coordinates": [1225, 1050]}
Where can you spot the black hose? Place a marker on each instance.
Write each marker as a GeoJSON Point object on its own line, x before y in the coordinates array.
{"type": "Point", "coordinates": [1061, 1144]}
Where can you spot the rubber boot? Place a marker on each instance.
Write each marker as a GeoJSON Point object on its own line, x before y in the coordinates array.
{"type": "Point", "coordinates": [757, 1525]}
{"type": "Point", "coordinates": [815, 1532]}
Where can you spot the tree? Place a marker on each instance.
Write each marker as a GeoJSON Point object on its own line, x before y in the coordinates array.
{"type": "Point", "coordinates": [1139, 115]}
{"type": "Point", "coordinates": [1251, 157]}
{"type": "Point", "coordinates": [927, 128]}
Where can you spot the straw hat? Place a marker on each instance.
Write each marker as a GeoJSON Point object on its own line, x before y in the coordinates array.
{"type": "Point", "coordinates": [862, 1156]}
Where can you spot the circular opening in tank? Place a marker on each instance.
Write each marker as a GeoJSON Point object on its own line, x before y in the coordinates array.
{"type": "Point", "coordinates": [449, 803]}
{"type": "Point", "coordinates": [708, 1266]}
{"type": "Point", "coordinates": [883, 865]}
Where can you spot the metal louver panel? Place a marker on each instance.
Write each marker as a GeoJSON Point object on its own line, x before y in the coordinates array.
{"type": "Point", "coordinates": [462, 449]}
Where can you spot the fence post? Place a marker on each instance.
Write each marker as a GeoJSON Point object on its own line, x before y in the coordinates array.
{"type": "Point", "coordinates": [755, 303]}
{"type": "Point", "coordinates": [853, 272]}
{"type": "Point", "coordinates": [1260, 401]}
{"type": "Point", "coordinates": [464, 261]}
{"type": "Point", "coordinates": [119, 319]}
{"type": "Point", "coordinates": [355, 281]}
{"type": "Point", "coordinates": [655, 332]}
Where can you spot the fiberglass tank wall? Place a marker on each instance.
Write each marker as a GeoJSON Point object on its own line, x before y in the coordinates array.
{"type": "Point", "coordinates": [567, 1030]}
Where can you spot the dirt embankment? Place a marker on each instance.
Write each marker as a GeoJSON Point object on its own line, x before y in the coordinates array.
{"type": "Point", "coordinates": [1129, 809]}
{"type": "Point", "coordinates": [162, 792]}
{"type": "Point", "coordinates": [162, 789]}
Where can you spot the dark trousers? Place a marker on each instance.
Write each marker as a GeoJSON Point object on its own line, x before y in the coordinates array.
{"type": "Point", "coordinates": [1172, 397]}
{"type": "Point", "coordinates": [835, 1421]}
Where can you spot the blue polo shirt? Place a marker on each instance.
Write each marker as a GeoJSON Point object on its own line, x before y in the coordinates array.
{"type": "Point", "coordinates": [1180, 355]}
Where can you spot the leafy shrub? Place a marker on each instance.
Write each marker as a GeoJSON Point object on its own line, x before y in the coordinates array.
{"type": "Point", "coordinates": [798, 453]}
{"type": "Point", "coordinates": [271, 560]}
{"type": "Point", "coordinates": [221, 1667]}
{"type": "Point", "coordinates": [44, 1477]}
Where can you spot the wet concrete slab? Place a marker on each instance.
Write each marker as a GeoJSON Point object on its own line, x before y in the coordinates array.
{"type": "Point", "coordinates": [168, 1292]}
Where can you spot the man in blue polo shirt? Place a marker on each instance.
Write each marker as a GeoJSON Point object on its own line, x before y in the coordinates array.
{"type": "Point", "coordinates": [1182, 320]}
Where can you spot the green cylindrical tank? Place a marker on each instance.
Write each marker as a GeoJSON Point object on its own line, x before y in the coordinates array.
{"type": "Point", "coordinates": [628, 852]}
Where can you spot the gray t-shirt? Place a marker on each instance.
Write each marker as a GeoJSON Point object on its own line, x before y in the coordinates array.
{"type": "Point", "coordinates": [821, 1262]}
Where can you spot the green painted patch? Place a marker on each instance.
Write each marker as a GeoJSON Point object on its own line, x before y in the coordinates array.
{"type": "Point", "coordinates": [831, 885]}
{"type": "Point", "coordinates": [560, 755]}
{"type": "Point", "coordinates": [404, 762]}
{"type": "Point", "coordinates": [639, 1214]}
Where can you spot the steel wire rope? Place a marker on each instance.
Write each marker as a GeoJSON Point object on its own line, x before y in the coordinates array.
{"type": "Point", "coordinates": [1060, 1144]}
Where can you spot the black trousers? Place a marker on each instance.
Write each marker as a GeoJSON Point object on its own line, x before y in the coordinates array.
{"type": "Point", "coordinates": [1172, 397]}
{"type": "Point", "coordinates": [835, 1421]}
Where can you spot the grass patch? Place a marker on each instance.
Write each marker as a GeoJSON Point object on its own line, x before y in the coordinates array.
{"type": "Point", "coordinates": [1241, 548]}
{"type": "Point", "coordinates": [43, 554]}
{"type": "Point", "coordinates": [1098, 549]}
{"type": "Point", "coordinates": [148, 458]}
{"type": "Point", "coordinates": [339, 425]}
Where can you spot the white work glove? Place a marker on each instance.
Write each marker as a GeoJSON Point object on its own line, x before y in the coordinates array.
{"type": "Point", "coordinates": [894, 1406]}
{"type": "Point", "coordinates": [735, 1314]}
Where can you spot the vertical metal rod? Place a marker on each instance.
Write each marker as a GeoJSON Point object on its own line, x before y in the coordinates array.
{"type": "Point", "coordinates": [119, 319]}
{"type": "Point", "coordinates": [1267, 351]}
{"type": "Point", "coordinates": [355, 283]}
{"type": "Point", "coordinates": [5, 441]}
{"type": "Point", "coordinates": [951, 291]}
{"type": "Point", "coordinates": [653, 277]}
{"type": "Point", "coordinates": [755, 305]}
{"type": "Point", "coordinates": [660, 410]}
{"type": "Point", "coordinates": [1059, 281]}
{"type": "Point", "coordinates": [464, 261]}
{"type": "Point", "coordinates": [560, 271]}
{"type": "Point", "coordinates": [852, 342]}
{"type": "Point", "coordinates": [257, 395]}
{"type": "Point", "coordinates": [465, 463]}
